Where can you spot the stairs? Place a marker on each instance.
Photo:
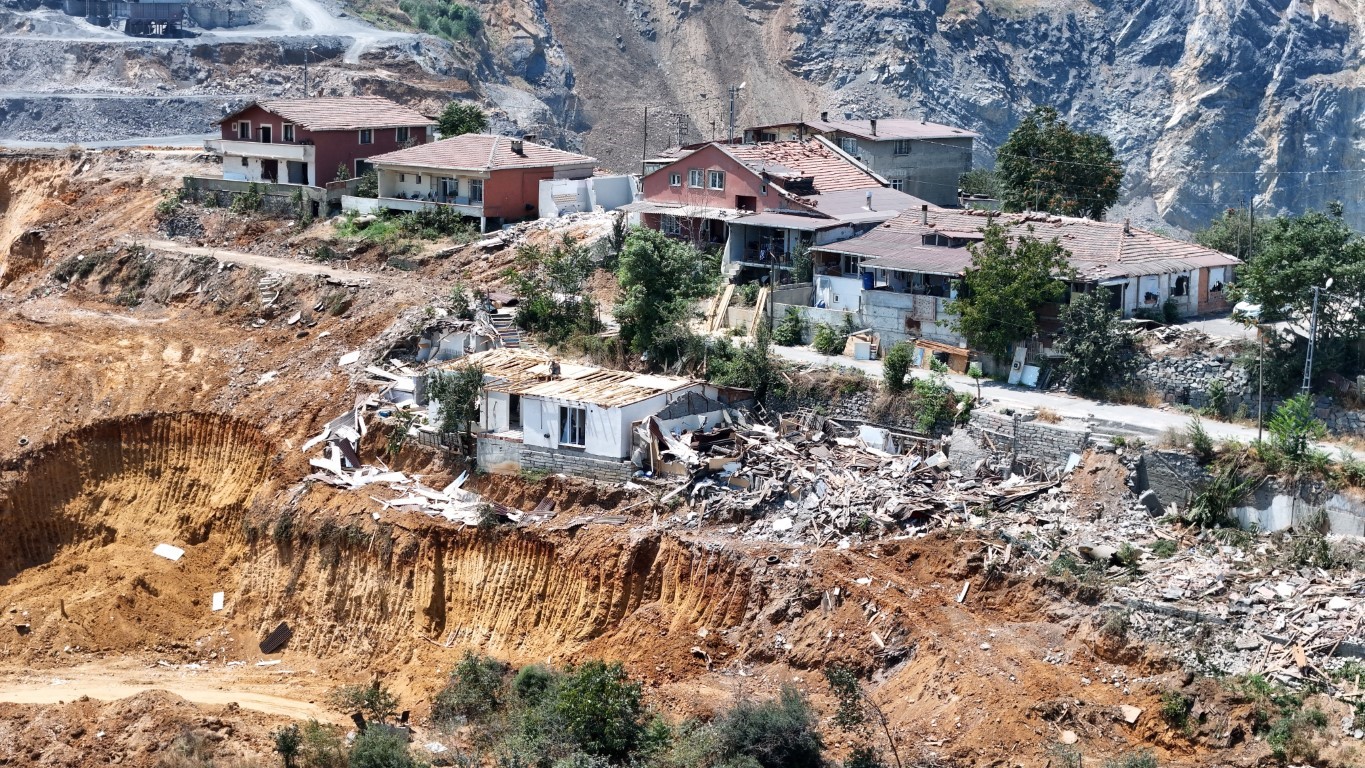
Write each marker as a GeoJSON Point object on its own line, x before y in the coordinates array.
{"type": "Point", "coordinates": [507, 329]}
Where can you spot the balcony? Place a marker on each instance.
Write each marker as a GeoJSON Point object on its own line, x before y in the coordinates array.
{"type": "Point", "coordinates": [403, 204]}
{"type": "Point", "coordinates": [302, 153]}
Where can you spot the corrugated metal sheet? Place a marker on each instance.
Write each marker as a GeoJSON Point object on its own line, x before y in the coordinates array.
{"type": "Point", "coordinates": [526, 373]}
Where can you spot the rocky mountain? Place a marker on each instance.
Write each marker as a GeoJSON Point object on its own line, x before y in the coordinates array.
{"type": "Point", "coordinates": [1209, 102]}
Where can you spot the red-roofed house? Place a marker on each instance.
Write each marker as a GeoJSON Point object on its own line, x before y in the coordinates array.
{"type": "Point", "coordinates": [495, 179]}
{"type": "Point", "coordinates": [921, 158]}
{"type": "Point", "coordinates": [762, 202]}
{"type": "Point", "coordinates": [899, 277]}
{"type": "Point", "coordinates": [306, 141]}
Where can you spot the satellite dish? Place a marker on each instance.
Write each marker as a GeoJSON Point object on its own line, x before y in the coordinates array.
{"type": "Point", "coordinates": [1330, 280]}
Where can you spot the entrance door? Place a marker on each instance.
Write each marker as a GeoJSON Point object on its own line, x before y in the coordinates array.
{"type": "Point", "coordinates": [450, 189]}
{"type": "Point", "coordinates": [270, 170]}
{"type": "Point", "coordinates": [514, 411]}
{"type": "Point", "coordinates": [265, 134]}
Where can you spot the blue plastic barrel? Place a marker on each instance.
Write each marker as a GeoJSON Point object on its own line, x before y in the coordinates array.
{"type": "Point", "coordinates": [867, 281]}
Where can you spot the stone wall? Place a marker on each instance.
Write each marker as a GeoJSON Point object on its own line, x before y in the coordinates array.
{"type": "Point", "coordinates": [507, 456]}
{"type": "Point", "coordinates": [1188, 380]}
{"type": "Point", "coordinates": [1050, 444]}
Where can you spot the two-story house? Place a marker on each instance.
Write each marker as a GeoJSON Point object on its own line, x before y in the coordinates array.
{"type": "Point", "coordinates": [761, 203]}
{"type": "Point", "coordinates": [313, 141]}
{"type": "Point", "coordinates": [494, 179]}
{"type": "Point", "coordinates": [921, 158]}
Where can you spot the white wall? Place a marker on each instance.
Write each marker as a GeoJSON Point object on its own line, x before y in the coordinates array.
{"type": "Point", "coordinates": [838, 292]}
{"type": "Point", "coordinates": [391, 186]}
{"type": "Point", "coordinates": [606, 433]}
{"type": "Point", "coordinates": [605, 192]}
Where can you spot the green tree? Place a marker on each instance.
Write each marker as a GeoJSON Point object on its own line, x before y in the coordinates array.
{"type": "Point", "coordinates": [1007, 282]}
{"type": "Point", "coordinates": [792, 329]}
{"type": "Point", "coordinates": [323, 746]}
{"type": "Point", "coordinates": [981, 182]}
{"type": "Point", "coordinates": [1093, 343]}
{"type": "Point", "coordinates": [459, 118]}
{"type": "Point", "coordinates": [974, 371]}
{"type": "Point", "coordinates": [1293, 255]}
{"type": "Point", "coordinates": [600, 708]}
{"type": "Point", "coordinates": [376, 701]}
{"type": "Point", "coordinates": [660, 278]}
{"type": "Point", "coordinates": [457, 391]}
{"type": "Point", "coordinates": [288, 740]}
{"type": "Point", "coordinates": [381, 748]}
{"type": "Point", "coordinates": [896, 365]}
{"type": "Point", "coordinates": [1046, 165]}
{"type": "Point", "coordinates": [555, 303]}
{"type": "Point", "coordinates": [750, 366]}
{"type": "Point", "coordinates": [1230, 233]}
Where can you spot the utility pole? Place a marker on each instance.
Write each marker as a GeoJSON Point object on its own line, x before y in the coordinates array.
{"type": "Point", "coordinates": [681, 121]}
{"type": "Point", "coordinates": [644, 143]}
{"type": "Point", "coordinates": [734, 91]}
{"type": "Point", "coordinates": [1260, 384]}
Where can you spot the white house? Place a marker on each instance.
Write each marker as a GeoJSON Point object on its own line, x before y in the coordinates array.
{"type": "Point", "coordinates": [541, 414]}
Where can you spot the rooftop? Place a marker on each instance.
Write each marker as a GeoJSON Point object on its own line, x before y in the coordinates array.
{"type": "Point", "coordinates": [481, 152]}
{"type": "Point", "coordinates": [348, 113]}
{"type": "Point", "coordinates": [888, 128]}
{"type": "Point", "coordinates": [1100, 250]}
{"type": "Point", "coordinates": [787, 161]}
{"type": "Point", "coordinates": [526, 373]}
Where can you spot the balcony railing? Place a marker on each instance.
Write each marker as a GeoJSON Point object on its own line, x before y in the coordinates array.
{"type": "Point", "coordinates": [402, 204]}
{"type": "Point", "coordinates": [297, 152]}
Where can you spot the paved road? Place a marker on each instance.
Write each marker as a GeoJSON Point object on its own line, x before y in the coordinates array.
{"type": "Point", "coordinates": [1143, 420]}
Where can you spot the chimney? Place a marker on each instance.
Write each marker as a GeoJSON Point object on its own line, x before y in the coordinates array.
{"type": "Point", "coordinates": [824, 117]}
{"type": "Point", "coordinates": [924, 214]}
{"type": "Point", "coordinates": [517, 147]}
{"type": "Point", "coordinates": [873, 121]}
{"type": "Point", "coordinates": [1126, 229]}
{"type": "Point", "coordinates": [869, 199]}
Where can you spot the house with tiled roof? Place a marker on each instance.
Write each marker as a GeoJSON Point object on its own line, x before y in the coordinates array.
{"type": "Point", "coordinates": [921, 158]}
{"type": "Point", "coordinates": [495, 179]}
{"type": "Point", "coordinates": [900, 277]}
{"type": "Point", "coordinates": [761, 203]}
{"type": "Point", "coordinates": [313, 141]}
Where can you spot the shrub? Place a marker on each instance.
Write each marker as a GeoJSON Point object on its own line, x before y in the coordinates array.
{"type": "Point", "coordinates": [288, 741]}
{"type": "Point", "coordinates": [771, 734]}
{"type": "Point", "coordinates": [533, 683]}
{"type": "Point", "coordinates": [1163, 548]}
{"type": "Point", "coordinates": [322, 746]}
{"type": "Point", "coordinates": [1309, 546]}
{"type": "Point", "coordinates": [1200, 441]}
{"type": "Point", "coordinates": [896, 365]}
{"type": "Point", "coordinates": [473, 692]}
{"type": "Point", "coordinates": [601, 710]}
{"type": "Point", "coordinates": [248, 201]}
{"type": "Point", "coordinates": [827, 340]}
{"type": "Point", "coordinates": [1170, 312]}
{"type": "Point", "coordinates": [1218, 397]}
{"type": "Point", "coordinates": [748, 294]}
{"type": "Point", "coordinates": [864, 756]}
{"type": "Point", "coordinates": [381, 748]}
{"type": "Point", "coordinates": [934, 403]}
{"type": "Point", "coordinates": [792, 330]}
{"type": "Point", "coordinates": [376, 701]}
{"type": "Point", "coordinates": [1140, 760]}
{"type": "Point", "coordinates": [1293, 428]}
{"type": "Point", "coordinates": [1175, 708]}
{"type": "Point", "coordinates": [1209, 507]}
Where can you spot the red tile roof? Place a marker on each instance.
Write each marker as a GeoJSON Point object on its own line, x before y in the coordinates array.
{"type": "Point", "coordinates": [1099, 250]}
{"type": "Point", "coordinates": [785, 160]}
{"type": "Point", "coordinates": [350, 113]}
{"type": "Point", "coordinates": [480, 152]}
{"type": "Point", "coordinates": [888, 128]}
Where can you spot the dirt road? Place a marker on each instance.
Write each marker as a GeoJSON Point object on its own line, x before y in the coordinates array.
{"type": "Point", "coordinates": [269, 263]}
{"type": "Point", "coordinates": [211, 687]}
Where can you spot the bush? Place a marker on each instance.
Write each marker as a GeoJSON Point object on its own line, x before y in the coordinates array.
{"type": "Point", "coordinates": [896, 365]}
{"type": "Point", "coordinates": [473, 692]}
{"type": "Point", "coordinates": [450, 20]}
{"type": "Point", "coordinates": [792, 330]}
{"type": "Point", "coordinates": [601, 710]}
{"type": "Point", "coordinates": [748, 294]}
{"type": "Point", "coordinates": [1200, 441]}
{"type": "Point", "coordinates": [1209, 507]}
{"type": "Point", "coordinates": [1175, 708]}
{"type": "Point", "coordinates": [771, 734]}
{"type": "Point", "coordinates": [288, 741]}
{"type": "Point", "coordinates": [322, 746]}
{"type": "Point", "coordinates": [376, 702]}
{"type": "Point", "coordinates": [1293, 429]}
{"type": "Point", "coordinates": [827, 340]}
{"type": "Point", "coordinates": [1170, 312]}
{"type": "Point", "coordinates": [532, 684]}
{"type": "Point", "coordinates": [381, 748]}
{"type": "Point", "coordinates": [1140, 760]}
{"type": "Point", "coordinates": [248, 201]}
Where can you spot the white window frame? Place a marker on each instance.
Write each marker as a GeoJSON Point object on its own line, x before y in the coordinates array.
{"type": "Point", "coordinates": [668, 224]}
{"type": "Point", "coordinates": [245, 163]}
{"type": "Point", "coordinates": [675, 179]}
{"type": "Point", "coordinates": [244, 130]}
{"type": "Point", "coordinates": [898, 185]}
{"type": "Point", "coordinates": [573, 423]}
{"type": "Point", "coordinates": [715, 180]}
{"type": "Point", "coordinates": [695, 178]}
{"type": "Point", "coordinates": [417, 179]}
{"type": "Point", "coordinates": [402, 134]}
{"type": "Point", "coordinates": [902, 147]}
{"type": "Point", "coordinates": [849, 145]}
{"type": "Point", "coordinates": [365, 136]}
{"type": "Point", "coordinates": [475, 191]}
{"type": "Point", "coordinates": [287, 132]}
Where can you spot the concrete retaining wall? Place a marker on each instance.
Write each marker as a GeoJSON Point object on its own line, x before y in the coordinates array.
{"type": "Point", "coordinates": [1048, 443]}
{"type": "Point", "coordinates": [503, 456]}
{"type": "Point", "coordinates": [275, 198]}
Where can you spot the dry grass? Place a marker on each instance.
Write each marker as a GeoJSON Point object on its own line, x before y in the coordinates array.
{"type": "Point", "coordinates": [1135, 396]}
{"type": "Point", "coordinates": [1048, 415]}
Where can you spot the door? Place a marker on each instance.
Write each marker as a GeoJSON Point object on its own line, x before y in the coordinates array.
{"type": "Point", "coordinates": [270, 170]}
{"type": "Point", "coordinates": [514, 411]}
{"type": "Point", "coordinates": [265, 134]}
{"type": "Point", "coordinates": [450, 189]}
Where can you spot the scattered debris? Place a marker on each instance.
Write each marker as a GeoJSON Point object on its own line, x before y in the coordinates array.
{"type": "Point", "coordinates": [169, 552]}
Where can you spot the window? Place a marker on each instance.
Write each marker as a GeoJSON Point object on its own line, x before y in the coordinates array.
{"type": "Point", "coordinates": [849, 145]}
{"type": "Point", "coordinates": [244, 130]}
{"type": "Point", "coordinates": [402, 134]}
{"type": "Point", "coordinates": [572, 426]}
{"type": "Point", "coordinates": [902, 146]}
{"type": "Point", "coordinates": [265, 134]}
{"type": "Point", "coordinates": [764, 136]}
{"type": "Point", "coordinates": [898, 185]}
{"type": "Point", "coordinates": [244, 162]}
{"type": "Point", "coordinates": [366, 135]}
{"type": "Point", "coordinates": [1216, 276]}
{"type": "Point", "coordinates": [675, 179]}
{"type": "Point", "coordinates": [417, 179]}
{"type": "Point", "coordinates": [763, 190]}
{"type": "Point", "coordinates": [715, 179]}
{"type": "Point", "coordinates": [694, 178]}
{"type": "Point", "coordinates": [287, 132]}
{"type": "Point", "coordinates": [476, 190]}
{"type": "Point", "coordinates": [669, 225]}
{"type": "Point", "coordinates": [402, 178]}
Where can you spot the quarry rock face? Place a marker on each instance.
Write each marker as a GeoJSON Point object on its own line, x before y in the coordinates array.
{"type": "Point", "coordinates": [1208, 103]}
